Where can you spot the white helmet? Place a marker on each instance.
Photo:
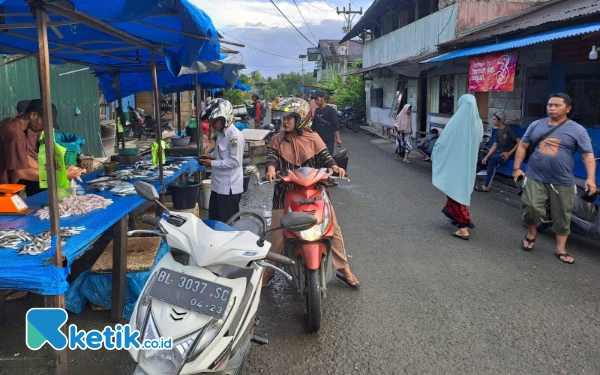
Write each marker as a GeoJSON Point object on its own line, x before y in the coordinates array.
{"type": "Point", "coordinates": [219, 108]}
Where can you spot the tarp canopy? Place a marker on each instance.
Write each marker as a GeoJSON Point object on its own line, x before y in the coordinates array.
{"type": "Point", "coordinates": [176, 27]}
{"type": "Point", "coordinates": [223, 73]}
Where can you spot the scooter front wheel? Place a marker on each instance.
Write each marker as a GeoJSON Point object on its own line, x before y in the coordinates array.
{"type": "Point", "coordinates": [313, 300]}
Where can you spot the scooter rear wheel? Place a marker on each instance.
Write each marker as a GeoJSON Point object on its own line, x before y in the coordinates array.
{"type": "Point", "coordinates": [313, 300]}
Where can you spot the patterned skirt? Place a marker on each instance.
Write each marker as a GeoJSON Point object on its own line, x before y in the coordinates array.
{"type": "Point", "coordinates": [403, 144]}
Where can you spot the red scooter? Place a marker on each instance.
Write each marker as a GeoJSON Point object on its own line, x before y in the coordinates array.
{"type": "Point", "coordinates": [310, 249]}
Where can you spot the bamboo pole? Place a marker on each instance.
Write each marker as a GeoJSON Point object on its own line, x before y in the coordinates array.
{"type": "Point", "coordinates": [158, 125]}
{"type": "Point", "coordinates": [197, 95]}
{"type": "Point", "coordinates": [179, 110]}
{"type": "Point", "coordinates": [44, 75]}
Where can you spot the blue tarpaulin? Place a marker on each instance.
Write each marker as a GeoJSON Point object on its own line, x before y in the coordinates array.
{"type": "Point", "coordinates": [149, 20]}
{"type": "Point", "coordinates": [97, 288]}
{"type": "Point", "coordinates": [223, 73]}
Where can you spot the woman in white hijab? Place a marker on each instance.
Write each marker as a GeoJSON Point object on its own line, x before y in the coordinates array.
{"type": "Point", "coordinates": [404, 128]}
{"type": "Point", "coordinates": [454, 160]}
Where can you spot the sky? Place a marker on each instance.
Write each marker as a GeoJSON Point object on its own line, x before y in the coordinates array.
{"type": "Point", "coordinates": [261, 28]}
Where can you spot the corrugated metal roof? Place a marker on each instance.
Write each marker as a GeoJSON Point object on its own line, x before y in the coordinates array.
{"type": "Point", "coordinates": [555, 11]}
{"type": "Point", "coordinates": [330, 48]}
{"type": "Point", "coordinates": [370, 14]}
{"type": "Point", "coordinates": [521, 42]}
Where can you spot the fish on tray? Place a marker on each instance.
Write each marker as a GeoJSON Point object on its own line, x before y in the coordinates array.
{"type": "Point", "coordinates": [76, 205]}
{"type": "Point", "coordinates": [11, 238]}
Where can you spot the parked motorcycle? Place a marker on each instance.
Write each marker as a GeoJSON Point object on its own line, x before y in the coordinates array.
{"type": "Point", "coordinates": [585, 219]}
{"type": "Point", "coordinates": [208, 303]}
{"type": "Point", "coordinates": [347, 118]}
{"type": "Point", "coordinates": [311, 248]}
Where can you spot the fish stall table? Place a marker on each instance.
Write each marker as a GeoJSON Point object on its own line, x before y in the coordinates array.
{"type": "Point", "coordinates": [36, 273]}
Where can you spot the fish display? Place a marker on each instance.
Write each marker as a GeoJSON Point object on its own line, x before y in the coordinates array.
{"type": "Point", "coordinates": [43, 241]}
{"type": "Point", "coordinates": [11, 238]}
{"type": "Point", "coordinates": [76, 205]}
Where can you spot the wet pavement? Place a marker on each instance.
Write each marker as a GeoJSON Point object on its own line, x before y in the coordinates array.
{"type": "Point", "coordinates": [428, 303]}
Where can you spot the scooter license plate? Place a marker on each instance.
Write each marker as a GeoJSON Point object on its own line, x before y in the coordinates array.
{"type": "Point", "coordinates": [190, 293]}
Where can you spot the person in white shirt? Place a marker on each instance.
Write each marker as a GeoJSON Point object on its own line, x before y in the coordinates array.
{"type": "Point", "coordinates": [225, 161]}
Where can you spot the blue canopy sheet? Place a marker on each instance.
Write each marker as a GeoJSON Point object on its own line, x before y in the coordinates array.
{"type": "Point", "coordinates": [175, 25]}
{"type": "Point", "coordinates": [223, 73]}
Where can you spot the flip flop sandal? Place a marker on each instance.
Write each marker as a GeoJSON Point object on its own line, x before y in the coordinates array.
{"type": "Point", "coordinates": [466, 238]}
{"type": "Point", "coordinates": [480, 189]}
{"type": "Point", "coordinates": [566, 255]}
{"type": "Point", "coordinates": [529, 242]}
{"type": "Point", "coordinates": [427, 160]}
{"type": "Point", "coordinates": [340, 275]}
{"type": "Point", "coordinates": [15, 295]}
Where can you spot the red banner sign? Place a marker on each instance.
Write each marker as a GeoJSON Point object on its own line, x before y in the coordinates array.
{"type": "Point", "coordinates": [493, 72]}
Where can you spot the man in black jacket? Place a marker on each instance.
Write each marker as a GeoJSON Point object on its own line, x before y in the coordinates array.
{"type": "Point", "coordinates": [325, 123]}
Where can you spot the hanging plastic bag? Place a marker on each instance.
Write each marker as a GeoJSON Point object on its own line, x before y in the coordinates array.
{"type": "Point", "coordinates": [155, 152]}
{"type": "Point", "coordinates": [77, 111]}
{"type": "Point", "coordinates": [62, 180]}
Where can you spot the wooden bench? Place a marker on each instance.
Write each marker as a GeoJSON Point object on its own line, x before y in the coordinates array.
{"type": "Point", "coordinates": [388, 130]}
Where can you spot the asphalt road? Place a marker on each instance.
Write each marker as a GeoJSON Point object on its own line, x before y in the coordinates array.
{"type": "Point", "coordinates": [428, 303]}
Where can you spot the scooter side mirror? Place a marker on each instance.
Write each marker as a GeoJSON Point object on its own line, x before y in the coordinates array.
{"type": "Point", "coordinates": [298, 221]}
{"type": "Point", "coordinates": [146, 191]}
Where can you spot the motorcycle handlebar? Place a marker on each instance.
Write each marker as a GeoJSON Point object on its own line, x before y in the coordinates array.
{"type": "Point", "coordinates": [280, 259]}
{"type": "Point", "coordinates": [150, 220]}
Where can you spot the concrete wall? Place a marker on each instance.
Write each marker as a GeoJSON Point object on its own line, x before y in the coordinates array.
{"type": "Point", "coordinates": [509, 102]}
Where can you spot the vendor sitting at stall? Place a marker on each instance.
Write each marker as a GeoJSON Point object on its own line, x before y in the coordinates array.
{"type": "Point", "coordinates": [17, 161]}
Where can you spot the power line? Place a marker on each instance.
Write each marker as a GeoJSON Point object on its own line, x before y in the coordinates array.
{"type": "Point", "coordinates": [258, 49]}
{"type": "Point", "coordinates": [311, 33]}
{"type": "Point", "coordinates": [274, 66]}
{"type": "Point", "coordinates": [311, 4]}
{"type": "Point", "coordinates": [331, 6]}
{"type": "Point", "coordinates": [304, 36]}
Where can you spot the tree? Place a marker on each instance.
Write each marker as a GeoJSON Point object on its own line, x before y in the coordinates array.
{"type": "Point", "coordinates": [350, 92]}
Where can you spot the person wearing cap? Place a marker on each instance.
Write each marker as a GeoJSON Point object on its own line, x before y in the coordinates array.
{"type": "Point", "coordinates": [505, 145]}
{"type": "Point", "coordinates": [225, 161]}
{"type": "Point", "coordinates": [425, 147]}
{"type": "Point", "coordinates": [17, 163]}
{"type": "Point", "coordinates": [325, 123]}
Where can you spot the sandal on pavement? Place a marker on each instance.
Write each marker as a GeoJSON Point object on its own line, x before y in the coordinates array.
{"type": "Point", "coordinates": [565, 255]}
{"type": "Point", "coordinates": [529, 242]}
{"type": "Point", "coordinates": [480, 189]}
{"type": "Point", "coordinates": [353, 282]}
{"type": "Point", "coordinates": [466, 238]}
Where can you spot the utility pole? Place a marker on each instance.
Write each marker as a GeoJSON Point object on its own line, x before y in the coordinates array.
{"type": "Point", "coordinates": [349, 17]}
{"type": "Point", "coordinates": [302, 57]}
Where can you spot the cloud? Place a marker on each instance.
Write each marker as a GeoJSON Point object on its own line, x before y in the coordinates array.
{"type": "Point", "coordinates": [259, 26]}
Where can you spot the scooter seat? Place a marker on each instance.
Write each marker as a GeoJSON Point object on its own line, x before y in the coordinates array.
{"type": "Point", "coordinates": [249, 225]}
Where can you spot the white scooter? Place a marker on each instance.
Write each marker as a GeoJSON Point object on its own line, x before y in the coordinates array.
{"type": "Point", "coordinates": [207, 304]}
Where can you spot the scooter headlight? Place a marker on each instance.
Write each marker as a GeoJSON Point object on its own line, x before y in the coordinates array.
{"type": "Point", "coordinates": [312, 234]}
{"type": "Point", "coordinates": [211, 331]}
{"type": "Point", "coordinates": [160, 361]}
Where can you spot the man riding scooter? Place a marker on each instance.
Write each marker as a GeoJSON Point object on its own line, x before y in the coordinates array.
{"type": "Point", "coordinates": [298, 146]}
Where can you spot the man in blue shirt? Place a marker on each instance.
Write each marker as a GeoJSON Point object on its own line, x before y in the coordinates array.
{"type": "Point", "coordinates": [549, 174]}
{"type": "Point", "coordinates": [425, 147]}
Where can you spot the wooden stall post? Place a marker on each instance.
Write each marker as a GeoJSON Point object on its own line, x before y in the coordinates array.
{"type": "Point", "coordinates": [119, 271]}
{"type": "Point", "coordinates": [44, 74]}
{"type": "Point", "coordinates": [198, 96]}
{"type": "Point", "coordinates": [120, 104]}
{"type": "Point", "coordinates": [158, 125]}
{"type": "Point", "coordinates": [178, 110]}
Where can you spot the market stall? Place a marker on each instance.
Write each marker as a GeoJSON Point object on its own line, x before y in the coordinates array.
{"type": "Point", "coordinates": [120, 38]}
